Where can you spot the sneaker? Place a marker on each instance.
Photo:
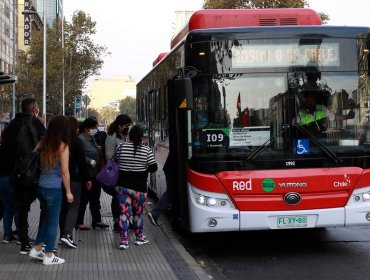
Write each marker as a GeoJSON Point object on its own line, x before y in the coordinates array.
{"type": "Point", "coordinates": [9, 238]}
{"type": "Point", "coordinates": [153, 220]}
{"type": "Point", "coordinates": [67, 240]}
{"type": "Point", "coordinates": [52, 260]}
{"type": "Point", "coordinates": [25, 249]}
{"type": "Point", "coordinates": [38, 255]}
{"type": "Point", "coordinates": [123, 245]}
{"type": "Point", "coordinates": [141, 240]}
{"type": "Point", "coordinates": [55, 250]}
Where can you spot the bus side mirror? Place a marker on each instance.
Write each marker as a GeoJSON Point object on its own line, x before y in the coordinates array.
{"type": "Point", "coordinates": [184, 93]}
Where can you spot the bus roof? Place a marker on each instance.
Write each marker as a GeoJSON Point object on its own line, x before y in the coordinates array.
{"type": "Point", "coordinates": [205, 19]}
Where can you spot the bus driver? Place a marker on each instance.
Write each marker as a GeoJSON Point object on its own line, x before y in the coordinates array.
{"type": "Point", "coordinates": [314, 115]}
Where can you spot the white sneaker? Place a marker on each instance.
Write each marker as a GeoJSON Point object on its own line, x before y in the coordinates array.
{"type": "Point", "coordinates": [52, 260]}
{"type": "Point", "coordinates": [38, 255]}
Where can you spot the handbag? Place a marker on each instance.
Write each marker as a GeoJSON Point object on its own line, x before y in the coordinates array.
{"type": "Point", "coordinates": [108, 174]}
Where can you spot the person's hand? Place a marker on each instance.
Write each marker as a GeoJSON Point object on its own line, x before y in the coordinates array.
{"type": "Point", "coordinates": [88, 185]}
{"type": "Point", "coordinates": [92, 163]}
{"type": "Point", "coordinates": [69, 196]}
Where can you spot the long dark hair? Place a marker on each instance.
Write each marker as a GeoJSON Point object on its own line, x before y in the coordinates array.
{"type": "Point", "coordinates": [56, 134]}
{"type": "Point", "coordinates": [121, 119]}
{"type": "Point", "coordinates": [136, 134]}
{"type": "Point", "coordinates": [73, 126]}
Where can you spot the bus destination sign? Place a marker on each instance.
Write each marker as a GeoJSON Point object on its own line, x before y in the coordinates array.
{"type": "Point", "coordinates": [284, 55]}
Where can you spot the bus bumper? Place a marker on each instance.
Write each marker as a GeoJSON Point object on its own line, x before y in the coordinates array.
{"type": "Point", "coordinates": [206, 217]}
{"type": "Point", "coordinates": [221, 215]}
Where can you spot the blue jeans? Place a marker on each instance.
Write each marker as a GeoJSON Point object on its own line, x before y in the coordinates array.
{"type": "Point", "coordinates": [6, 197]}
{"type": "Point", "coordinates": [50, 204]}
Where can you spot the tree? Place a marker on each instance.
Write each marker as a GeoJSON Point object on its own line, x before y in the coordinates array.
{"type": "Point", "coordinates": [128, 106]}
{"type": "Point", "coordinates": [82, 59]}
{"type": "Point", "coordinates": [259, 4]}
{"type": "Point", "coordinates": [107, 115]}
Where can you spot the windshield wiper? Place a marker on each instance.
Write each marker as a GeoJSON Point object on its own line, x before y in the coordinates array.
{"type": "Point", "coordinates": [263, 147]}
{"type": "Point", "coordinates": [317, 142]}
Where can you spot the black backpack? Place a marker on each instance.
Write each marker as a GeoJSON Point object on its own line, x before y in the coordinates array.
{"type": "Point", "coordinates": [27, 168]}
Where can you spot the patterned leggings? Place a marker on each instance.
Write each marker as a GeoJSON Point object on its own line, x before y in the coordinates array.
{"type": "Point", "coordinates": [131, 202]}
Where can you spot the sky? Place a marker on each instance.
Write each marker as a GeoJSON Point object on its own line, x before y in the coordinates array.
{"type": "Point", "coordinates": [136, 32]}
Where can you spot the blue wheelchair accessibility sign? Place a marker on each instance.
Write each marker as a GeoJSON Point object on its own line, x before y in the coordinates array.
{"type": "Point", "coordinates": [302, 146]}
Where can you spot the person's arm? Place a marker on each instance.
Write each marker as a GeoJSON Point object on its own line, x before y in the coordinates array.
{"type": "Point", "coordinates": [40, 127]}
{"type": "Point", "coordinates": [82, 165]}
{"type": "Point", "coordinates": [110, 146]}
{"type": "Point", "coordinates": [152, 165]}
{"type": "Point", "coordinates": [64, 166]}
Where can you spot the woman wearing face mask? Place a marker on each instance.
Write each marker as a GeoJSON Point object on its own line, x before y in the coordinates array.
{"type": "Point", "coordinates": [117, 134]}
{"type": "Point", "coordinates": [87, 131]}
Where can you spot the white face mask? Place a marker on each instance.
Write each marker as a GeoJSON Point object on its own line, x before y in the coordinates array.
{"type": "Point", "coordinates": [93, 131]}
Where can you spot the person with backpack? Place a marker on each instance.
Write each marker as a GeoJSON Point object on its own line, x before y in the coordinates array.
{"type": "Point", "coordinates": [20, 138]}
{"type": "Point", "coordinates": [117, 134]}
{"type": "Point", "coordinates": [54, 157]}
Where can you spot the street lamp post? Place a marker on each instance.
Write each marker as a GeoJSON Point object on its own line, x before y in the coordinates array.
{"type": "Point", "coordinates": [63, 82]}
{"type": "Point", "coordinates": [29, 12]}
{"type": "Point", "coordinates": [14, 55]}
{"type": "Point", "coordinates": [44, 66]}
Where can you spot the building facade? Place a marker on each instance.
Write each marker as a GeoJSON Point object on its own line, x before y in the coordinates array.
{"type": "Point", "coordinates": [53, 10]}
{"type": "Point", "coordinates": [107, 92]}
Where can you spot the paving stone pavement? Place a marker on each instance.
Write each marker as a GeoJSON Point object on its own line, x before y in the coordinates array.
{"type": "Point", "coordinates": [98, 257]}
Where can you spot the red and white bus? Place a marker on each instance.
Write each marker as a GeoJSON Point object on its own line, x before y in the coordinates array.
{"type": "Point", "coordinates": [231, 89]}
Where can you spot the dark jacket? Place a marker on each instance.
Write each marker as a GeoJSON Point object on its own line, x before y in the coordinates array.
{"type": "Point", "coordinates": [91, 152]}
{"type": "Point", "coordinates": [171, 166]}
{"type": "Point", "coordinates": [9, 140]}
{"type": "Point", "coordinates": [77, 162]}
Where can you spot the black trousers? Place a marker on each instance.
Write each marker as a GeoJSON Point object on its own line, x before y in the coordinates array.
{"type": "Point", "coordinates": [22, 203]}
{"type": "Point", "coordinates": [93, 198]}
{"type": "Point", "coordinates": [69, 212]}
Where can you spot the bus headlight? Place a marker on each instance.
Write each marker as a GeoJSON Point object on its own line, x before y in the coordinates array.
{"type": "Point", "coordinates": [360, 195]}
{"type": "Point", "coordinates": [366, 196]}
{"type": "Point", "coordinates": [210, 199]}
{"type": "Point", "coordinates": [201, 199]}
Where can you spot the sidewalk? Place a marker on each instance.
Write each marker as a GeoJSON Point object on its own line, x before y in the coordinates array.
{"type": "Point", "coordinates": [98, 256]}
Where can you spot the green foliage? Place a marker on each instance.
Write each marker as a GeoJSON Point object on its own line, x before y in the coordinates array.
{"type": "Point", "coordinates": [81, 56]}
{"type": "Point", "coordinates": [128, 106]}
{"type": "Point", "coordinates": [107, 115]}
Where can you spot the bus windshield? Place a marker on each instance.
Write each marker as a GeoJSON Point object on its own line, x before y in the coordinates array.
{"type": "Point", "coordinates": [235, 115]}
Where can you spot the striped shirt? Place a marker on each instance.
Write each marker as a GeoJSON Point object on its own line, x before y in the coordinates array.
{"type": "Point", "coordinates": [134, 167]}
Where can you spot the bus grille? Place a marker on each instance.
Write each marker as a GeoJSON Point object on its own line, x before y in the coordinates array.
{"type": "Point", "coordinates": [268, 21]}
{"type": "Point", "coordinates": [288, 21]}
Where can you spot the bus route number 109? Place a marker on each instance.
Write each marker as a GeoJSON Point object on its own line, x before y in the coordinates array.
{"type": "Point", "coordinates": [215, 139]}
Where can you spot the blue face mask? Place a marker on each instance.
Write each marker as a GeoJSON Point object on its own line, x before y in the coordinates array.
{"type": "Point", "coordinates": [93, 131]}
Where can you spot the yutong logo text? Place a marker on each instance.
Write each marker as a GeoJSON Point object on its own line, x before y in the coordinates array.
{"type": "Point", "coordinates": [292, 185]}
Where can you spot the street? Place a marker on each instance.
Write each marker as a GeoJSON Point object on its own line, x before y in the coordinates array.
{"type": "Point", "coordinates": [332, 253]}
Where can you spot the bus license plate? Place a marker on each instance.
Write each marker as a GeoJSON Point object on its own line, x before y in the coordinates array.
{"type": "Point", "coordinates": [291, 221]}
